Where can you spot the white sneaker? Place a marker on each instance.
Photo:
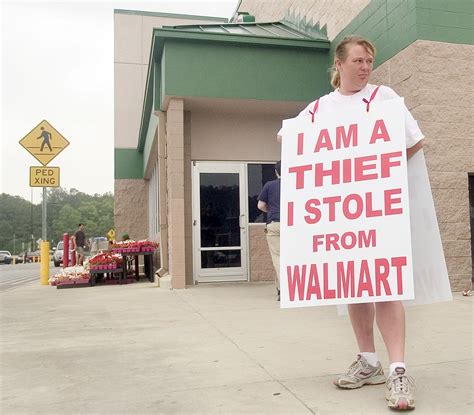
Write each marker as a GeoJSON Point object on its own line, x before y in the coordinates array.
{"type": "Point", "coordinates": [360, 373]}
{"type": "Point", "coordinates": [400, 389]}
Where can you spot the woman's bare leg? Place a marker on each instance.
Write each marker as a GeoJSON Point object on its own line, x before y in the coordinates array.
{"type": "Point", "coordinates": [362, 319]}
{"type": "Point", "coordinates": [390, 317]}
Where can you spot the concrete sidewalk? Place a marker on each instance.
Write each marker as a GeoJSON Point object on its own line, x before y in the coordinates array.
{"type": "Point", "coordinates": [224, 348]}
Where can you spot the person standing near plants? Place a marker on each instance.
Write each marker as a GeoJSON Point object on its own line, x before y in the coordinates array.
{"type": "Point", "coordinates": [81, 244]}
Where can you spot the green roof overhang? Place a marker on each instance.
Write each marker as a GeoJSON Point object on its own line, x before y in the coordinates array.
{"type": "Point", "coordinates": [191, 63]}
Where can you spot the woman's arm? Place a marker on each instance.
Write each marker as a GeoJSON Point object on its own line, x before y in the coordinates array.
{"type": "Point", "coordinates": [412, 150]}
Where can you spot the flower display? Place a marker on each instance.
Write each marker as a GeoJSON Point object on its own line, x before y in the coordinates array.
{"type": "Point", "coordinates": [130, 246]}
{"type": "Point", "coordinates": [105, 260]}
{"type": "Point", "coordinates": [70, 275]}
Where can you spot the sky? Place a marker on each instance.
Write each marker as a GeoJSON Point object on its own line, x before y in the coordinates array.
{"type": "Point", "coordinates": [57, 65]}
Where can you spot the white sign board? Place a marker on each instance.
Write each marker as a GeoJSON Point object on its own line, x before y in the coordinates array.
{"type": "Point", "coordinates": [345, 220]}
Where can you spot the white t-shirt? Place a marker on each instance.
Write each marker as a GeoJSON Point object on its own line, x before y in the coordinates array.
{"type": "Point", "coordinates": [334, 101]}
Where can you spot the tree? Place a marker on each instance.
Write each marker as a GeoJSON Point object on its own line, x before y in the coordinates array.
{"type": "Point", "coordinates": [20, 221]}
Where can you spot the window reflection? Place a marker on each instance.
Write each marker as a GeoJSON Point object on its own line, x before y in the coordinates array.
{"type": "Point", "coordinates": [220, 259]}
{"type": "Point", "coordinates": [220, 209]}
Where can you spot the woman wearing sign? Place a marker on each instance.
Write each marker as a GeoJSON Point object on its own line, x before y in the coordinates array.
{"type": "Point", "coordinates": [352, 69]}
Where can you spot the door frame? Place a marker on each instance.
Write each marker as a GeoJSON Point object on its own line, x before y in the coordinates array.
{"type": "Point", "coordinates": [220, 274]}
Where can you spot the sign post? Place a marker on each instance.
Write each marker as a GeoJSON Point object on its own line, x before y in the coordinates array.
{"type": "Point", "coordinates": [44, 143]}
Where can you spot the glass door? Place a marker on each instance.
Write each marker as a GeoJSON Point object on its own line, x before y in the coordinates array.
{"type": "Point", "coordinates": [219, 222]}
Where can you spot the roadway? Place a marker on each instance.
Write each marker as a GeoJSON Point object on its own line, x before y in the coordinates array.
{"type": "Point", "coordinates": [15, 276]}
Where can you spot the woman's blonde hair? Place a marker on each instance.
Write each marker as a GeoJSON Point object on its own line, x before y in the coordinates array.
{"type": "Point", "coordinates": [341, 54]}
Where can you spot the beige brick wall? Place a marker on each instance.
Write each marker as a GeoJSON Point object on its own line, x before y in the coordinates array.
{"type": "Point", "coordinates": [336, 14]}
{"type": "Point", "coordinates": [131, 208]}
{"type": "Point", "coordinates": [261, 266]}
{"type": "Point", "coordinates": [215, 132]}
{"type": "Point", "coordinates": [175, 191]}
{"type": "Point", "coordinates": [435, 79]}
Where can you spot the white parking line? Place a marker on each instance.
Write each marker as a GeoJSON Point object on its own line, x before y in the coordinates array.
{"type": "Point", "coordinates": [19, 279]}
{"type": "Point", "coordinates": [17, 282]}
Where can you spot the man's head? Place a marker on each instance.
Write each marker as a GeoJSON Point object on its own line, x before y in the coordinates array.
{"type": "Point", "coordinates": [81, 226]}
{"type": "Point", "coordinates": [278, 168]}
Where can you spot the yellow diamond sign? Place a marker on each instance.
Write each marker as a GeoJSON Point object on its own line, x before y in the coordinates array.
{"type": "Point", "coordinates": [111, 235]}
{"type": "Point", "coordinates": [44, 142]}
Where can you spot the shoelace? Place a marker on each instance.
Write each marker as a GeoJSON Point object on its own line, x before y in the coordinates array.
{"type": "Point", "coordinates": [402, 383]}
{"type": "Point", "coordinates": [354, 367]}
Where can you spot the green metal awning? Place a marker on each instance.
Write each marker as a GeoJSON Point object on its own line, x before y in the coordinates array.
{"type": "Point", "coordinates": [258, 61]}
{"type": "Point", "coordinates": [276, 30]}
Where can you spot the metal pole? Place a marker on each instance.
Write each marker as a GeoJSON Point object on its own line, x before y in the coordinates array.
{"type": "Point", "coordinates": [31, 212]}
{"type": "Point", "coordinates": [44, 253]}
{"type": "Point", "coordinates": [44, 230]}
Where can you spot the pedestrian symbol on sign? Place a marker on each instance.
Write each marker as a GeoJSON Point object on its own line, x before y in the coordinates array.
{"type": "Point", "coordinates": [52, 142]}
{"type": "Point", "coordinates": [46, 136]}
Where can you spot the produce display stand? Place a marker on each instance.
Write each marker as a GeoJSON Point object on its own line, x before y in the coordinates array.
{"type": "Point", "coordinates": [113, 282]}
{"type": "Point", "coordinates": [70, 277]}
{"type": "Point", "coordinates": [147, 260]}
{"type": "Point", "coordinates": [81, 282]}
{"type": "Point", "coordinates": [110, 267]}
{"type": "Point", "coordinates": [115, 271]}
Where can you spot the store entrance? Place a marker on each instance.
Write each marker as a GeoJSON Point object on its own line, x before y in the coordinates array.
{"type": "Point", "coordinates": [219, 222]}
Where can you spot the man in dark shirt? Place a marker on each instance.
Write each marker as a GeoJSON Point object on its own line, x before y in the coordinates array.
{"type": "Point", "coordinates": [269, 201]}
{"type": "Point", "coordinates": [81, 243]}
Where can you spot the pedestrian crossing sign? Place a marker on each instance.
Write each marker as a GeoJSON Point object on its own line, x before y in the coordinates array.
{"type": "Point", "coordinates": [44, 142]}
{"type": "Point", "coordinates": [44, 176]}
{"type": "Point", "coordinates": [111, 235]}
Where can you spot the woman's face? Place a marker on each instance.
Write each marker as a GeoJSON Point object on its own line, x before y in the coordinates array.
{"type": "Point", "coordinates": [356, 69]}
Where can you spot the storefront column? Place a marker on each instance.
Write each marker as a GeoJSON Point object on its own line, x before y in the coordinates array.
{"type": "Point", "coordinates": [175, 190]}
{"type": "Point", "coordinates": [131, 208]}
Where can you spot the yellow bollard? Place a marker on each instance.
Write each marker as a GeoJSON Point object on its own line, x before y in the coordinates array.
{"type": "Point", "coordinates": [44, 263]}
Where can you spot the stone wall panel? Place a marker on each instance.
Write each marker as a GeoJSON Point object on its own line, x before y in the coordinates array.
{"type": "Point", "coordinates": [261, 265]}
{"type": "Point", "coordinates": [460, 282]}
{"type": "Point", "coordinates": [131, 208]}
{"type": "Point", "coordinates": [462, 230]}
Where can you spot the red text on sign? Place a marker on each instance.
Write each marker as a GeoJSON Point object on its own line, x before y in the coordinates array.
{"type": "Point", "coordinates": [352, 206]}
{"type": "Point", "coordinates": [344, 138]}
{"type": "Point", "coordinates": [354, 279]}
{"type": "Point", "coordinates": [346, 240]}
{"type": "Point", "coordinates": [358, 169]}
